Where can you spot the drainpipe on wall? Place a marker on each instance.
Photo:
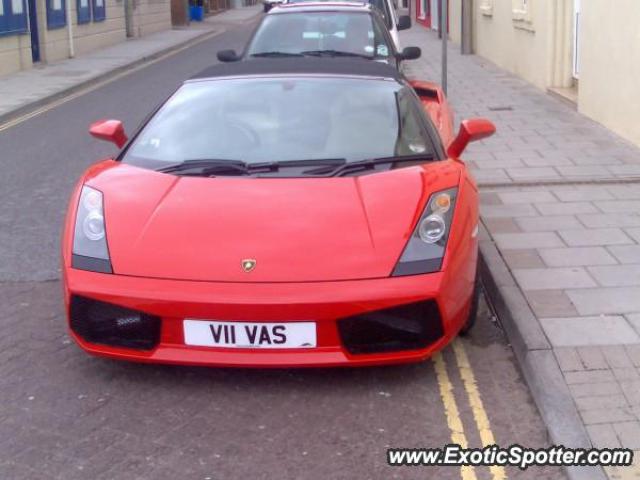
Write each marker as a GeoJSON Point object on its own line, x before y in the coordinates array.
{"type": "Point", "coordinates": [128, 17]}
{"type": "Point", "coordinates": [72, 50]}
{"type": "Point", "coordinates": [467, 22]}
{"type": "Point", "coordinates": [444, 10]}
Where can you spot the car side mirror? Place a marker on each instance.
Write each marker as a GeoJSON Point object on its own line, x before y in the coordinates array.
{"type": "Point", "coordinates": [228, 56]}
{"type": "Point", "coordinates": [404, 22]}
{"type": "Point", "coordinates": [410, 53]}
{"type": "Point", "coordinates": [471, 130]}
{"type": "Point", "coordinates": [109, 130]}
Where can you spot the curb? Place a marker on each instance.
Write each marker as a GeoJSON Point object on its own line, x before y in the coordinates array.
{"type": "Point", "coordinates": [535, 357]}
{"type": "Point", "coordinates": [46, 100]}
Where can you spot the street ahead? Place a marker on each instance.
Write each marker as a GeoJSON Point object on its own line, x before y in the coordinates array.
{"type": "Point", "coordinates": [66, 415]}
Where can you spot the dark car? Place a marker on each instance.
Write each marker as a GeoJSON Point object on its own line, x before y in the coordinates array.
{"type": "Point", "coordinates": [323, 30]}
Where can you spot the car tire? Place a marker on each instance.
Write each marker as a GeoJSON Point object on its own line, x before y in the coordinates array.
{"type": "Point", "coordinates": [266, 8]}
{"type": "Point", "coordinates": [475, 300]}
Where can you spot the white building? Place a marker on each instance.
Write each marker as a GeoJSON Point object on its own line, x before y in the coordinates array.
{"type": "Point", "coordinates": [587, 51]}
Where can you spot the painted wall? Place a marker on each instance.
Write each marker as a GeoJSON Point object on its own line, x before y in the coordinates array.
{"type": "Point", "coordinates": [151, 16]}
{"type": "Point", "coordinates": [609, 89]}
{"type": "Point", "coordinates": [91, 36]}
{"type": "Point", "coordinates": [515, 40]}
{"type": "Point", "coordinates": [15, 53]}
{"type": "Point", "coordinates": [88, 36]}
{"type": "Point", "coordinates": [455, 21]}
{"type": "Point", "coordinates": [148, 16]}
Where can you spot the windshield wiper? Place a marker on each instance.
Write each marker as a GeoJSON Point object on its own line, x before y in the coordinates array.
{"type": "Point", "coordinates": [207, 166]}
{"type": "Point", "coordinates": [366, 164]}
{"type": "Point", "coordinates": [210, 167]}
{"type": "Point", "coordinates": [309, 162]}
{"type": "Point", "coordinates": [276, 54]}
{"type": "Point", "coordinates": [335, 53]}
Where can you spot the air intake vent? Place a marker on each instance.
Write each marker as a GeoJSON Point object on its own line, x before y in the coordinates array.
{"type": "Point", "coordinates": [407, 327]}
{"type": "Point", "coordinates": [108, 324]}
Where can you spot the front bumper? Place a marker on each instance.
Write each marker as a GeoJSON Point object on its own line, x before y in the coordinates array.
{"type": "Point", "coordinates": [322, 302]}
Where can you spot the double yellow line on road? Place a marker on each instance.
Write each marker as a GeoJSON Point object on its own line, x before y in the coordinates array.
{"type": "Point", "coordinates": [454, 421]}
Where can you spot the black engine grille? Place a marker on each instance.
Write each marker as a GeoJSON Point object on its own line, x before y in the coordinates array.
{"type": "Point", "coordinates": [407, 327]}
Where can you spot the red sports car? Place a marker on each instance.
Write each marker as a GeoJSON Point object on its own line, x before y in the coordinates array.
{"type": "Point", "coordinates": [305, 212]}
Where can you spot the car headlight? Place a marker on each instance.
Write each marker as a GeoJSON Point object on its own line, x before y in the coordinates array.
{"type": "Point", "coordinates": [426, 246]}
{"type": "Point", "coordinates": [90, 250]}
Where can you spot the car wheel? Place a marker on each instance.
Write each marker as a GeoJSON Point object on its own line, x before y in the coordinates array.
{"type": "Point", "coordinates": [475, 300]}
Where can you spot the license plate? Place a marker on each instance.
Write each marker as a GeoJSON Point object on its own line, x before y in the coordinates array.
{"type": "Point", "coordinates": [208, 333]}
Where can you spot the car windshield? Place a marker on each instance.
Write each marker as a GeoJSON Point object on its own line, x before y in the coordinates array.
{"type": "Point", "coordinates": [348, 32]}
{"type": "Point", "coordinates": [279, 119]}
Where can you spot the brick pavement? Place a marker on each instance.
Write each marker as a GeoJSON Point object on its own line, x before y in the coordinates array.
{"type": "Point", "coordinates": [561, 200]}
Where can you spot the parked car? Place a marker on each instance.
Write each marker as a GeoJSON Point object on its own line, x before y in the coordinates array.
{"type": "Point", "coordinates": [291, 212]}
{"type": "Point", "coordinates": [269, 4]}
{"type": "Point", "coordinates": [386, 7]}
{"type": "Point", "coordinates": [323, 30]}
{"type": "Point", "coordinates": [393, 22]}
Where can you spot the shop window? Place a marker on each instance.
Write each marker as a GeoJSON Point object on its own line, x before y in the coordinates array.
{"type": "Point", "coordinates": [13, 17]}
{"type": "Point", "coordinates": [84, 11]}
{"type": "Point", "coordinates": [56, 14]}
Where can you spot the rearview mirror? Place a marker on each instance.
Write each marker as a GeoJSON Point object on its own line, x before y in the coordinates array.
{"type": "Point", "coordinates": [410, 53]}
{"type": "Point", "coordinates": [228, 56]}
{"type": "Point", "coordinates": [470, 131]}
{"type": "Point", "coordinates": [109, 130]}
{"type": "Point", "coordinates": [404, 22]}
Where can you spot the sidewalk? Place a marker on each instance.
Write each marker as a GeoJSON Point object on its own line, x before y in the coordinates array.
{"type": "Point", "coordinates": [561, 254]}
{"type": "Point", "coordinates": [29, 89]}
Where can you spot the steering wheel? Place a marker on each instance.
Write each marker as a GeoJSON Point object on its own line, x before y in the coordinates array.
{"type": "Point", "coordinates": [246, 135]}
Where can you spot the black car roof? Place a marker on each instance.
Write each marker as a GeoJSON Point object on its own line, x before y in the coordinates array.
{"type": "Point", "coordinates": [302, 66]}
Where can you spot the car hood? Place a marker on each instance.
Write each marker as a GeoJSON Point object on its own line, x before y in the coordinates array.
{"type": "Point", "coordinates": [294, 229]}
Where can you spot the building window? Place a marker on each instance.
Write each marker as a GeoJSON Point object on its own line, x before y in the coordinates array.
{"type": "Point", "coordinates": [522, 14]}
{"type": "Point", "coordinates": [486, 7]}
{"type": "Point", "coordinates": [13, 17]}
{"type": "Point", "coordinates": [84, 11]}
{"type": "Point", "coordinates": [89, 8]}
{"type": "Point", "coordinates": [56, 14]}
{"type": "Point", "coordinates": [520, 8]}
{"type": "Point", "coordinates": [520, 5]}
{"type": "Point", "coordinates": [98, 10]}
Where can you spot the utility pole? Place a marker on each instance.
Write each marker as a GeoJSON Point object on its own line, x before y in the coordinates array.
{"type": "Point", "coordinates": [444, 12]}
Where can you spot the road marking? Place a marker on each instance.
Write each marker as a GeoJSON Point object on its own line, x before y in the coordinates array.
{"type": "Point", "coordinates": [94, 86]}
{"type": "Point", "coordinates": [479, 412]}
{"type": "Point", "coordinates": [452, 413]}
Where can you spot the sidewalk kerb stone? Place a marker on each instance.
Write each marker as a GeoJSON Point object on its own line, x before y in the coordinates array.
{"type": "Point", "coordinates": [536, 358]}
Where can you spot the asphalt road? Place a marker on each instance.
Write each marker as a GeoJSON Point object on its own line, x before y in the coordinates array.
{"type": "Point", "coordinates": [66, 415]}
